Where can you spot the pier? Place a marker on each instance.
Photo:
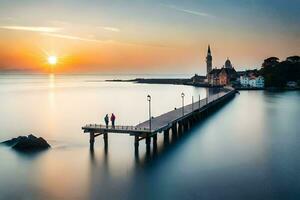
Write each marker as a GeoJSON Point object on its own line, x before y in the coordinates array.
{"type": "Point", "coordinates": [174, 122]}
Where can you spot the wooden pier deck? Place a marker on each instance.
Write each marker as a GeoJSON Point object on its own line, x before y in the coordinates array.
{"type": "Point", "coordinates": [175, 120]}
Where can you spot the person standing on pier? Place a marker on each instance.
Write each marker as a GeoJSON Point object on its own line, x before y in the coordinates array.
{"type": "Point", "coordinates": [112, 119]}
{"type": "Point", "coordinates": [106, 119]}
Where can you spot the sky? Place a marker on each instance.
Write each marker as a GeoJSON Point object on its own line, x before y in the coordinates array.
{"type": "Point", "coordinates": [145, 36]}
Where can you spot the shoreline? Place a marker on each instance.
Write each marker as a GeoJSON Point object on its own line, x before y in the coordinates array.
{"type": "Point", "coordinates": [170, 81]}
{"type": "Point", "coordinates": [189, 82]}
{"type": "Point", "coordinates": [268, 89]}
{"type": "Point", "coordinates": [154, 80]}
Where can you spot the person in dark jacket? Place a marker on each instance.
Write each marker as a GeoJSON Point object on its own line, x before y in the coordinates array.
{"type": "Point", "coordinates": [112, 119]}
{"type": "Point", "coordinates": [106, 119]}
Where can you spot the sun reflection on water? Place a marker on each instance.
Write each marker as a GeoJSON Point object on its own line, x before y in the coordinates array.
{"type": "Point", "coordinates": [51, 81]}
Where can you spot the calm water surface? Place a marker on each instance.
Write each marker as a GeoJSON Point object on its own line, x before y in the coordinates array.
{"type": "Point", "coordinates": [249, 149]}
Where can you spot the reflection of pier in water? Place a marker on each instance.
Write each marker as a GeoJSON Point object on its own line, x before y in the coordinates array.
{"type": "Point", "coordinates": [175, 122]}
{"type": "Point", "coordinates": [165, 145]}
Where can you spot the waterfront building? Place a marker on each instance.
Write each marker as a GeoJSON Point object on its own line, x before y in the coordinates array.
{"type": "Point", "coordinates": [208, 60]}
{"type": "Point", "coordinates": [223, 76]}
{"type": "Point", "coordinates": [218, 77]}
{"type": "Point", "coordinates": [244, 80]}
{"type": "Point", "coordinates": [291, 84]}
{"type": "Point", "coordinates": [228, 64]}
{"type": "Point", "coordinates": [213, 76]}
{"type": "Point", "coordinates": [252, 81]}
{"type": "Point", "coordinates": [259, 82]}
{"type": "Point", "coordinates": [198, 79]}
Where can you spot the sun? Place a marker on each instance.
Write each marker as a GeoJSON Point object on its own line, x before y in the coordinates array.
{"type": "Point", "coordinates": [52, 60]}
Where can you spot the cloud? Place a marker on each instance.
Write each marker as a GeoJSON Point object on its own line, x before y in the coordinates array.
{"type": "Point", "coordinates": [108, 28]}
{"type": "Point", "coordinates": [192, 12]}
{"type": "Point", "coordinates": [60, 23]}
{"type": "Point", "coordinates": [7, 19]}
{"type": "Point", "coordinates": [71, 37]}
{"type": "Point", "coordinates": [32, 28]}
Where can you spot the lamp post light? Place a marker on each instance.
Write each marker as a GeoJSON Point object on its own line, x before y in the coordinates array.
{"type": "Point", "coordinates": [182, 96]}
{"type": "Point", "coordinates": [149, 100]}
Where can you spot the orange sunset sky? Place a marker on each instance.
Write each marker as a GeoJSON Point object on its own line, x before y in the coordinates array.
{"type": "Point", "coordinates": [144, 36]}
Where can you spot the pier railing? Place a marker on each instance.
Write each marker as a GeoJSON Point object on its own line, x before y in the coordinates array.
{"type": "Point", "coordinates": [116, 128]}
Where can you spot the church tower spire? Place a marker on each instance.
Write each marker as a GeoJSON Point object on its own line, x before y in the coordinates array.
{"type": "Point", "coordinates": [208, 60]}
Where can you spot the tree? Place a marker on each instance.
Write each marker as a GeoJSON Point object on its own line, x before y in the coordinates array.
{"type": "Point", "coordinates": [270, 62]}
{"type": "Point", "coordinates": [293, 59]}
{"type": "Point", "coordinates": [281, 72]}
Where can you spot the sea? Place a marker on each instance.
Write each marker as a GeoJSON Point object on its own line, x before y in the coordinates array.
{"type": "Point", "coordinates": [248, 149]}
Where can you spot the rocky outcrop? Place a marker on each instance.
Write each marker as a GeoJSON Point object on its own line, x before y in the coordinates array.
{"type": "Point", "coordinates": [27, 143]}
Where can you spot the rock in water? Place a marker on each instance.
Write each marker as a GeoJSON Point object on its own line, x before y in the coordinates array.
{"type": "Point", "coordinates": [29, 143]}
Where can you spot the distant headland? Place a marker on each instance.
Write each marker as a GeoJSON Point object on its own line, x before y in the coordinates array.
{"type": "Point", "coordinates": [173, 81]}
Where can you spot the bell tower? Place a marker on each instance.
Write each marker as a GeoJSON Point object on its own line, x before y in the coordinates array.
{"type": "Point", "coordinates": [208, 60]}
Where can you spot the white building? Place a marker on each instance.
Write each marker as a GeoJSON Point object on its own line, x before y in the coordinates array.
{"type": "Point", "coordinates": [291, 84]}
{"type": "Point", "coordinates": [253, 81]}
{"type": "Point", "coordinates": [259, 82]}
{"type": "Point", "coordinates": [244, 80]}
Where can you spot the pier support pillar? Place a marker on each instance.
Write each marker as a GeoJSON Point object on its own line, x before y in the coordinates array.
{"type": "Point", "coordinates": [148, 142]}
{"type": "Point", "coordinates": [154, 143]}
{"type": "Point", "coordinates": [180, 127]}
{"type": "Point", "coordinates": [174, 129]}
{"type": "Point", "coordinates": [166, 133]}
{"type": "Point", "coordinates": [194, 119]}
{"type": "Point", "coordinates": [92, 140]}
{"type": "Point", "coordinates": [190, 122]}
{"type": "Point", "coordinates": [136, 143]}
{"type": "Point", "coordinates": [155, 139]}
{"type": "Point", "coordinates": [199, 116]}
{"type": "Point", "coordinates": [185, 125]}
{"type": "Point", "coordinates": [166, 136]}
{"type": "Point", "coordinates": [105, 138]}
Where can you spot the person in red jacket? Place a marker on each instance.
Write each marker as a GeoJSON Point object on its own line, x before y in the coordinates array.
{"type": "Point", "coordinates": [112, 119]}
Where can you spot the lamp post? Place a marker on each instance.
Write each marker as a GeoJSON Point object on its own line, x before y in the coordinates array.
{"type": "Point", "coordinates": [192, 103]}
{"type": "Point", "coordinates": [149, 100]}
{"type": "Point", "coordinates": [199, 101]}
{"type": "Point", "coordinates": [182, 96]}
